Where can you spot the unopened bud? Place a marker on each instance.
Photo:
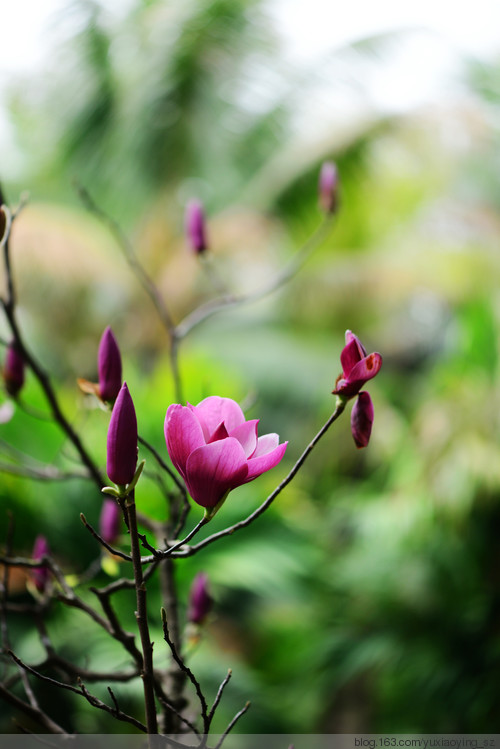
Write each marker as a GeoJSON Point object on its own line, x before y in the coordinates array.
{"type": "Point", "coordinates": [195, 226]}
{"type": "Point", "coordinates": [13, 372]}
{"type": "Point", "coordinates": [200, 600]}
{"type": "Point", "coordinates": [122, 439]}
{"type": "Point", "coordinates": [110, 521]}
{"type": "Point", "coordinates": [329, 187]}
{"type": "Point", "coordinates": [109, 365]}
{"type": "Point", "coordinates": [40, 575]}
{"type": "Point", "coordinates": [362, 419]}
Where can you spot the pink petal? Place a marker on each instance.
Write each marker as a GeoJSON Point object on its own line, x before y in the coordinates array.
{"type": "Point", "coordinates": [265, 444]}
{"type": "Point", "coordinates": [214, 469]}
{"type": "Point", "coordinates": [350, 356]}
{"type": "Point", "coordinates": [183, 434]}
{"type": "Point", "coordinates": [219, 434]}
{"type": "Point", "coordinates": [215, 410]}
{"type": "Point", "coordinates": [246, 434]}
{"type": "Point", "coordinates": [362, 419]}
{"type": "Point", "coordinates": [349, 336]}
{"type": "Point", "coordinates": [365, 369]}
{"type": "Point", "coordinates": [265, 462]}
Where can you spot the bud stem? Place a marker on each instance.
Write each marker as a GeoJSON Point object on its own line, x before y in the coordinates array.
{"type": "Point", "coordinates": [141, 616]}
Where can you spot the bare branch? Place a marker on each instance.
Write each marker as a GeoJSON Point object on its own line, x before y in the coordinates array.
{"type": "Point", "coordinates": [232, 725]}
{"type": "Point", "coordinates": [186, 670]}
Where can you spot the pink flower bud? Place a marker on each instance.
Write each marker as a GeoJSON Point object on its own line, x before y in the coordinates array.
{"type": "Point", "coordinates": [109, 364]}
{"type": "Point", "coordinates": [362, 419]}
{"type": "Point", "coordinates": [40, 575]}
{"type": "Point", "coordinates": [200, 600]}
{"type": "Point", "coordinates": [122, 439]}
{"type": "Point", "coordinates": [329, 187]}
{"type": "Point", "coordinates": [13, 372]}
{"type": "Point", "coordinates": [195, 226]}
{"type": "Point", "coordinates": [357, 367]}
{"type": "Point", "coordinates": [110, 521]}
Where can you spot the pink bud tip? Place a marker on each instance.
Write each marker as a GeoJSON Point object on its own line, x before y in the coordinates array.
{"type": "Point", "coordinates": [195, 226]}
{"type": "Point", "coordinates": [200, 600]}
{"type": "Point", "coordinates": [13, 373]}
{"type": "Point", "coordinates": [40, 575]}
{"type": "Point", "coordinates": [122, 439]}
{"type": "Point", "coordinates": [110, 520]}
{"type": "Point", "coordinates": [362, 419]}
{"type": "Point", "coordinates": [328, 187]}
{"type": "Point", "coordinates": [109, 364]}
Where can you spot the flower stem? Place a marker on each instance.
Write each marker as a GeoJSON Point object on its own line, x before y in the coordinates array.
{"type": "Point", "coordinates": [142, 619]}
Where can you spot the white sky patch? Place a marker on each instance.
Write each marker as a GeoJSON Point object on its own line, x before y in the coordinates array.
{"type": "Point", "coordinates": [309, 29]}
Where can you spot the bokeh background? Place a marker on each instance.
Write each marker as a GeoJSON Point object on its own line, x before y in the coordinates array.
{"type": "Point", "coordinates": [368, 598]}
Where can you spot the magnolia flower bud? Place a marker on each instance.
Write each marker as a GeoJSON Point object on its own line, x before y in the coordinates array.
{"type": "Point", "coordinates": [329, 187]}
{"type": "Point", "coordinates": [110, 521]}
{"type": "Point", "coordinates": [40, 575]}
{"type": "Point", "coordinates": [122, 440]}
{"type": "Point", "coordinates": [109, 365]}
{"type": "Point", "coordinates": [362, 419]}
{"type": "Point", "coordinates": [200, 600]}
{"type": "Point", "coordinates": [195, 227]}
{"type": "Point", "coordinates": [13, 372]}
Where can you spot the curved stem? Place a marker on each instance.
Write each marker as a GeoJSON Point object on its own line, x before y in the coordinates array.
{"type": "Point", "coordinates": [340, 406]}
{"type": "Point", "coordinates": [204, 311]}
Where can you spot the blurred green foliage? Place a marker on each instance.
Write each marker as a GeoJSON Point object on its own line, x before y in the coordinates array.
{"type": "Point", "coordinates": [368, 597]}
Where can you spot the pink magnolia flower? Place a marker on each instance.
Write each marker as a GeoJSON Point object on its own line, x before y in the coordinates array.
{"type": "Point", "coordinates": [109, 365]}
{"type": "Point", "coordinates": [40, 575]}
{"type": "Point", "coordinates": [215, 449]}
{"type": "Point", "coordinates": [122, 440]}
{"type": "Point", "coordinates": [200, 600]}
{"type": "Point", "coordinates": [195, 226]}
{"type": "Point", "coordinates": [357, 367]}
{"type": "Point", "coordinates": [362, 419]}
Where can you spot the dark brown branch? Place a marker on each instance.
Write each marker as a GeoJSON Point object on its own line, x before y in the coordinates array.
{"type": "Point", "coordinates": [35, 713]}
{"type": "Point", "coordinates": [81, 690]}
{"type": "Point", "coordinates": [115, 552]}
{"type": "Point", "coordinates": [148, 677]}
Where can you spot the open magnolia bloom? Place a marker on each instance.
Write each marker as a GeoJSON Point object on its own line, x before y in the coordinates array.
{"type": "Point", "coordinates": [215, 449]}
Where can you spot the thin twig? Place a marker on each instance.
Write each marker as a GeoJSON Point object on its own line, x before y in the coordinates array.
{"type": "Point", "coordinates": [179, 716]}
{"type": "Point", "coordinates": [219, 696]}
{"type": "Point", "coordinates": [154, 452]}
{"type": "Point", "coordinates": [204, 311]}
{"type": "Point", "coordinates": [190, 550]}
{"type": "Point", "coordinates": [145, 280]}
{"type": "Point", "coordinates": [81, 690]}
{"type": "Point", "coordinates": [186, 670]}
{"type": "Point", "coordinates": [232, 725]}
{"type": "Point", "coordinates": [115, 552]}
{"type": "Point", "coordinates": [47, 473]}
